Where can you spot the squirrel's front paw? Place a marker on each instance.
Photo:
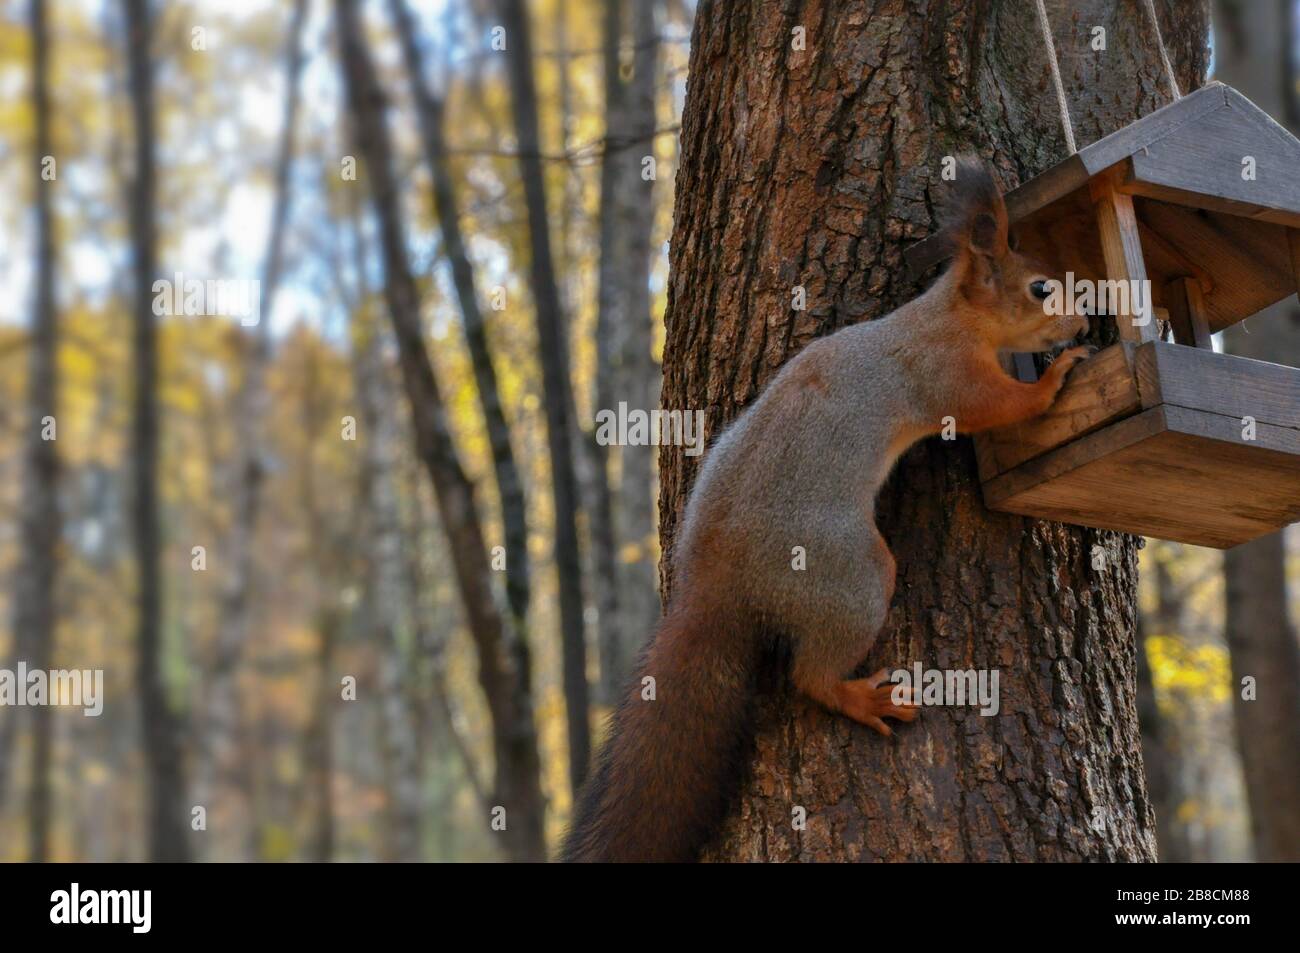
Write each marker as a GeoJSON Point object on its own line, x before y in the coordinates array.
{"type": "Point", "coordinates": [868, 700]}
{"type": "Point", "coordinates": [1066, 360]}
{"type": "Point", "coordinates": [1055, 375]}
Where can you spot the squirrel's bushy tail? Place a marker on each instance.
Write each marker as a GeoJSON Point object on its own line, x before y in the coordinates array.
{"type": "Point", "coordinates": [663, 780]}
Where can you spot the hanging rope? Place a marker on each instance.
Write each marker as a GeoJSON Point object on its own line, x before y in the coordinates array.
{"type": "Point", "coordinates": [1160, 44]}
{"type": "Point", "coordinates": [1066, 126]}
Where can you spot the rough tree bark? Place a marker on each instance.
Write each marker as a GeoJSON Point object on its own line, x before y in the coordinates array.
{"type": "Point", "coordinates": [558, 398]}
{"type": "Point", "coordinates": [167, 814]}
{"type": "Point", "coordinates": [1253, 55]}
{"type": "Point", "coordinates": [817, 167]}
{"type": "Point", "coordinates": [504, 664]}
{"type": "Point", "coordinates": [34, 613]}
{"type": "Point", "coordinates": [626, 370]}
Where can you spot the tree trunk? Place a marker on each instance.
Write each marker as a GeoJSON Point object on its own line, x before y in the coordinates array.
{"type": "Point", "coordinates": [431, 648]}
{"type": "Point", "coordinates": [1162, 740]}
{"type": "Point", "coordinates": [1263, 647]}
{"type": "Point", "coordinates": [165, 783]}
{"type": "Point", "coordinates": [817, 167]}
{"type": "Point", "coordinates": [510, 489]}
{"type": "Point", "coordinates": [626, 369]}
{"type": "Point", "coordinates": [320, 738]}
{"type": "Point", "coordinates": [558, 398]}
{"type": "Point", "coordinates": [1253, 55]}
{"type": "Point", "coordinates": [34, 615]}
{"type": "Point", "coordinates": [1156, 757]}
{"type": "Point", "coordinates": [328, 551]}
{"type": "Point", "coordinates": [223, 778]}
{"type": "Point", "coordinates": [598, 495]}
{"type": "Point", "coordinates": [504, 665]}
{"type": "Point", "coordinates": [385, 583]}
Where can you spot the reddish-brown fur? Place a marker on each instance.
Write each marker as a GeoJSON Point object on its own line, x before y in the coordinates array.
{"type": "Point", "coordinates": [661, 783]}
{"type": "Point", "coordinates": [799, 472]}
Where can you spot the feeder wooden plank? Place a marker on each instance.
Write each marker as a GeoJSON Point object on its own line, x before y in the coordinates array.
{"type": "Point", "coordinates": [1250, 261]}
{"type": "Point", "coordinates": [1266, 124]}
{"type": "Point", "coordinates": [1293, 241]}
{"type": "Point", "coordinates": [1222, 384]}
{"type": "Point", "coordinates": [1033, 474]}
{"type": "Point", "coordinates": [1121, 245]}
{"type": "Point", "coordinates": [1124, 379]}
{"type": "Point", "coordinates": [1099, 390]}
{"type": "Point", "coordinates": [1073, 173]}
{"type": "Point", "coordinates": [1202, 165]}
{"type": "Point", "coordinates": [1252, 258]}
{"type": "Point", "coordinates": [1124, 476]}
{"type": "Point", "coordinates": [1175, 262]}
{"type": "Point", "coordinates": [1273, 445]}
{"type": "Point", "coordinates": [1064, 237]}
{"type": "Point", "coordinates": [1187, 313]}
{"type": "Point", "coordinates": [1214, 203]}
{"type": "Point", "coordinates": [1180, 469]}
{"type": "Point", "coordinates": [1188, 153]}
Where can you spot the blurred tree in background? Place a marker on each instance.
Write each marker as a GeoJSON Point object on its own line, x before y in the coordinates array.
{"type": "Point", "coordinates": [211, 142]}
{"type": "Point", "coordinates": [358, 574]}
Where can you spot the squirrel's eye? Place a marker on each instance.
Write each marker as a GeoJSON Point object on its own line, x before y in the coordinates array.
{"type": "Point", "coordinates": [1039, 290]}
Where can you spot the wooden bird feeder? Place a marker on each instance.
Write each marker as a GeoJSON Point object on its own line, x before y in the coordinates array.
{"type": "Point", "coordinates": [1170, 440]}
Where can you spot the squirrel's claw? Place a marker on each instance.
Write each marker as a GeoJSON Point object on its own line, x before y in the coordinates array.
{"type": "Point", "coordinates": [868, 700]}
{"type": "Point", "coordinates": [878, 679]}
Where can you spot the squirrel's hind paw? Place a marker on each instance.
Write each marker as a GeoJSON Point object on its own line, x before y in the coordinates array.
{"type": "Point", "coordinates": [869, 700]}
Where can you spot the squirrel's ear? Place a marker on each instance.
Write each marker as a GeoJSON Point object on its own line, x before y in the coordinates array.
{"type": "Point", "coordinates": [977, 216]}
{"type": "Point", "coordinates": [983, 236]}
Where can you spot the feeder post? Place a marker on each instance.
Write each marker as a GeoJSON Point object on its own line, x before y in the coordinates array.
{"type": "Point", "coordinates": [1122, 248]}
{"type": "Point", "coordinates": [1187, 313]}
{"type": "Point", "coordinates": [1293, 239]}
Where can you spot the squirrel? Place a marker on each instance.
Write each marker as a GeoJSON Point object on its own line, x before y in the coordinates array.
{"type": "Point", "coordinates": [801, 467]}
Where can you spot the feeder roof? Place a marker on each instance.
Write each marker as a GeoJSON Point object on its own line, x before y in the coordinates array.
{"type": "Point", "coordinates": [1216, 185]}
